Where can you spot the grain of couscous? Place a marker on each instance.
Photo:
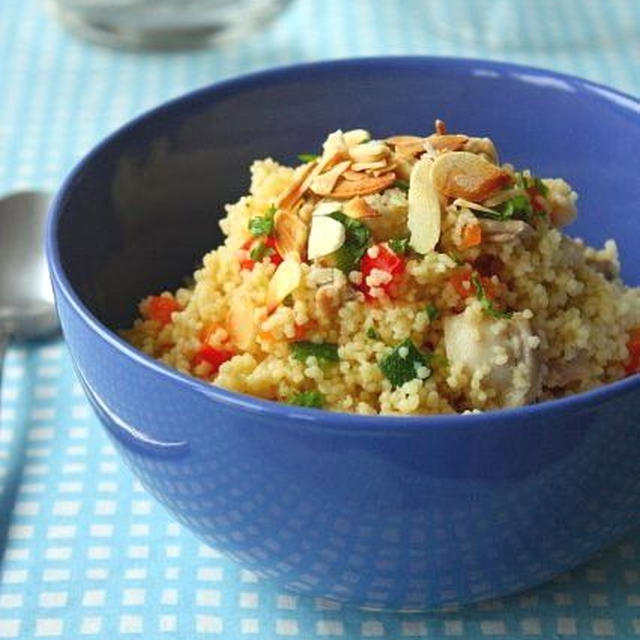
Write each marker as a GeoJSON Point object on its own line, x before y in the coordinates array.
{"type": "Point", "coordinates": [413, 274]}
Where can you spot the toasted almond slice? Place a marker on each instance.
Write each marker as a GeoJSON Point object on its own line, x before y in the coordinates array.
{"type": "Point", "coordinates": [356, 136]}
{"type": "Point", "coordinates": [284, 281]}
{"type": "Point", "coordinates": [358, 208]}
{"type": "Point", "coordinates": [503, 196]}
{"type": "Point", "coordinates": [346, 189]}
{"type": "Point", "coordinates": [240, 321]}
{"type": "Point", "coordinates": [296, 189]}
{"type": "Point", "coordinates": [369, 151]}
{"type": "Point", "coordinates": [335, 144]}
{"type": "Point", "coordinates": [290, 233]}
{"type": "Point", "coordinates": [424, 219]}
{"type": "Point", "coordinates": [324, 183]}
{"type": "Point", "coordinates": [402, 167]}
{"type": "Point", "coordinates": [326, 236]}
{"type": "Point", "coordinates": [325, 208]}
{"type": "Point", "coordinates": [352, 175]}
{"type": "Point", "coordinates": [391, 166]}
{"type": "Point", "coordinates": [465, 175]}
{"type": "Point", "coordinates": [483, 147]}
{"type": "Point", "coordinates": [447, 142]}
{"type": "Point", "coordinates": [400, 140]}
{"type": "Point", "coordinates": [440, 127]}
{"type": "Point", "coordinates": [364, 166]}
{"type": "Point", "coordinates": [411, 149]}
{"type": "Point", "coordinates": [474, 206]}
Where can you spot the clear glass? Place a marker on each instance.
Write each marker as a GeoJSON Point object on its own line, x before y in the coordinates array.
{"type": "Point", "coordinates": [164, 24]}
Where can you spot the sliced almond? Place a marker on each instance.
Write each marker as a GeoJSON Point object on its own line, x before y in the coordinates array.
{"type": "Point", "coordinates": [474, 206]}
{"type": "Point", "coordinates": [325, 208]}
{"type": "Point", "coordinates": [290, 233]}
{"type": "Point", "coordinates": [326, 236]}
{"type": "Point", "coordinates": [356, 136]}
{"type": "Point", "coordinates": [240, 321]}
{"type": "Point", "coordinates": [323, 184]}
{"type": "Point", "coordinates": [483, 147]}
{"type": "Point", "coordinates": [369, 151]}
{"type": "Point", "coordinates": [465, 175]}
{"type": "Point", "coordinates": [503, 196]}
{"type": "Point", "coordinates": [284, 281]}
{"type": "Point", "coordinates": [358, 208]}
{"type": "Point", "coordinates": [402, 167]}
{"type": "Point", "coordinates": [411, 149]}
{"type": "Point", "coordinates": [447, 142]}
{"type": "Point", "coordinates": [296, 189]}
{"type": "Point", "coordinates": [364, 186]}
{"type": "Point", "coordinates": [440, 127]}
{"type": "Point", "coordinates": [390, 166]}
{"type": "Point", "coordinates": [400, 140]}
{"type": "Point", "coordinates": [369, 166]}
{"type": "Point", "coordinates": [424, 219]}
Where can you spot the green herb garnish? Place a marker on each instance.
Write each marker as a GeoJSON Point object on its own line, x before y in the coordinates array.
{"type": "Point", "coordinates": [321, 350]}
{"type": "Point", "coordinates": [401, 184]}
{"type": "Point", "coordinates": [262, 225]}
{"type": "Point", "coordinates": [404, 363]}
{"type": "Point", "coordinates": [357, 239]}
{"type": "Point", "coordinates": [487, 303]}
{"type": "Point", "coordinates": [312, 399]}
{"type": "Point", "coordinates": [517, 208]}
{"type": "Point", "coordinates": [456, 258]}
{"type": "Point", "coordinates": [259, 251]}
{"type": "Point", "coordinates": [540, 187]}
{"type": "Point", "coordinates": [432, 311]}
{"type": "Point", "coordinates": [373, 334]}
{"type": "Point", "coordinates": [307, 157]}
{"type": "Point", "coordinates": [399, 245]}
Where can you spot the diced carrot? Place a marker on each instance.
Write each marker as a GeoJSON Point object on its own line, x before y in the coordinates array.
{"type": "Point", "coordinates": [471, 236]}
{"type": "Point", "coordinates": [633, 345]}
{"type": "Point", "coordinates": [267, 336]}
{"type": "Point", "coordinates": [460, 280]}
{"type": "Point", "coordinates": [161, 308]}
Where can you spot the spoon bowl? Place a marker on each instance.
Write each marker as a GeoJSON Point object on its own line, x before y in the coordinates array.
{"type": "Point", "coordinates": [26, 300]}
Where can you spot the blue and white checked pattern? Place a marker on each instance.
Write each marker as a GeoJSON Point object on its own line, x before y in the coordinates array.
{"type": "Point", "coordinates": [86, 553]}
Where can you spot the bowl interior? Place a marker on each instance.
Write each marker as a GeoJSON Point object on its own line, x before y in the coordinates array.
{"type": "Point", "coordinates": [139, 213]}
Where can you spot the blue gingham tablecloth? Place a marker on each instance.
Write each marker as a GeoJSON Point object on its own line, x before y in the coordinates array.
{"type": "Point", "coordinates": [84, 550]}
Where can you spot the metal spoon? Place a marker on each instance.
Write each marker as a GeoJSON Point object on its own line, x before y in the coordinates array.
{"type": "Point", "coordinates": [26, 300]}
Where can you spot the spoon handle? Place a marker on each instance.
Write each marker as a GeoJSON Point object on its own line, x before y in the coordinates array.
{"type": "Point", "coordinates": [4, 343]}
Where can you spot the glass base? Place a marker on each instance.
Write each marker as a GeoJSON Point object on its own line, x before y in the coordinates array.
{"type": "Point", "coordinates": [140, 24]}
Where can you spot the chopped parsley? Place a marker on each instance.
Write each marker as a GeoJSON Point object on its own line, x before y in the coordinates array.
{"type": "Point", "coordinates": [401, 184]}
{"type": "Point", "coordinates": [262, 225]}
{"type": "Point", "coordinates": [432, 311]}
{"type": "Point", "coordinates": [311, 399]}
{"type": "Point", "coordinates": [540, 187]}
{"type": "Point", "coordinates": [321, 350]}
{"type": "Point", "coordinates": [487, 303]}
{"type": "Point", "coordinates": [516, 208]}
{"type": "Point", "coordinates": [357, 239]}
{"type": "Point", "coordinates": [404, 363]}
{"type": "Point", "coordinates": [456, 258]}
{"type": "Point", "coordinates": [373, 334]}
{"type": "Point", "coordinates": [307, 157]}
{"type": "Point", "coordinates": [399, 245]}
{"type": "Point", "coordinates": [260, 251]}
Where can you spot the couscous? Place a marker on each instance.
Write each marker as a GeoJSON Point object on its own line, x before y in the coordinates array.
{"type": "Point", "coordinates": [406, 275]}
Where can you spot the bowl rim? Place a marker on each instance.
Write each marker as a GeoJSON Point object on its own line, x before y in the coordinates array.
{"type": "Point", "coordinates": [337, 420]}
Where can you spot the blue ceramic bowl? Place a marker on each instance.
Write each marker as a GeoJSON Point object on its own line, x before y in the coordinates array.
{"type": "Point", "coordinates": [403, 513]}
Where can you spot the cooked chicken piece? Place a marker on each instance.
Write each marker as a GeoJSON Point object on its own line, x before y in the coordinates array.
{"type": "Point", "coordinates": [498, 231]}
{"type": "Point", "coordinates": [505, 349]}
{"type": "Point", "coordinates": [564, 372]}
